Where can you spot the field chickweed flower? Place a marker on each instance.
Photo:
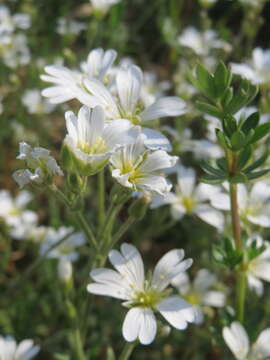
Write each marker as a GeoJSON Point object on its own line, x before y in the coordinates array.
{"type": "Point", "coordinates": [91, 141]}
{"type": "Point", "coordinates": [237, 340]}
{"type": "Point", "coordinates": [10, 350]}
{"type": "Point", "coordinates": [259, 268]}
{"type": "Point", "coordinates": [191, 199]}
{"type": "Point", "coordinates": [254, 206]}
{"type": "Point", "coordinates": [35, 104]}
{"type": "Point", "coordinates": [257, 70]}
{"type": "Point", "coordinates": [198, 293]}
{"type": "Point", "coordinates": [139, 168]}
{"type": "Point", "coordinates": [103, 6]}
{"type": "Point", "coordinates": [143, 296]}
{"type": "Point", "coordinates": [38, 160]}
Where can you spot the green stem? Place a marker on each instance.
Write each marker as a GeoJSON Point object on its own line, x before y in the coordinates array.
{"type": "Point", "coordinates": [127, 351]}
{"type": "Point", "coordinates": [78, 344]}
{"type": "Point", "coordinates": [87, 229]}
{"type": "Point", "coordinates": [235, 217]}
{"type": "Point", "coordinates": [240, 294]}
{"type": "Point", "coordinates": [101, 198]}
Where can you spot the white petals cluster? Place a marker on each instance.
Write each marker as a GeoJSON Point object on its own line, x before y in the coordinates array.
{"type": "Point", "coordinates": [199, 292]}
{"type": "Point", "coordinates": [13, 44]}
{"type": "Point", "coordinates": [69, 27]}
{"type": "Point", "coordinates": [10, 350]}
{"type": "Point", "coordinates": [257, 69]}
{"type": "Point", "coordinates": [35, 104]}
{"type": "Point", "coordinates": [237, 340]}
{"type": "Point", "coordinates": [41, 165]}
{"type": "Point", "coordinates": [191, 199]}
{"type": "Point", "coordinates": [13, 212]}
{"type": "Point", "coordinates": [103, 5]}
{"type": "Point", "coordinates": [143, 296]}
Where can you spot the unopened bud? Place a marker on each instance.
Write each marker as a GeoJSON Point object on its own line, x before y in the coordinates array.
{"type": "Point", "coordinates": [65, 270]}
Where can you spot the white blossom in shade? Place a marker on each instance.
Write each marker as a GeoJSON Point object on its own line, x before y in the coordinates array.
{"type": "Point", "coordinates": [9, 23]}
{"type": "Point", "coordinates": [143, 296]}
{"type": "Point", "coordinates": [237, 340]}
{"type": "Point", "coordinates": [68, 243]}
{"type": "Point", "coordinates": [199, 293]}
{"type": "Point", "coordinates": [10, 350]}
{"type": "Point", "coordinates": [64, 270]}
{"type": "Point", "coordinates": [140, 169]}
{"type": "Point", "coordinates": [17, 52]}
{"type": "Point", "coordinates": [103, 6]}
{"type": "Point", "coordinates": [92, 141]}
{"type": "Point", "coordinates": [35, 104]}
{"type": "Point", "coordinates": [258, 269]}
{"type": "Point", "coordinates": [202, 42]}
{"type": "Point", "coordinates": [98, 64]}
{"type": "Point", "coordinates": [127, 105]}
{"type": "Point", "coordinates": [257, 69]}
{"type": "Point", "coordinates": [68, 84]}
{"type": "Point", "coordinates": [69, 27]}
{"type": "Point", "coordinates": [14, 213]}
{"type": "Point", "coordinates": [254, 205]}
{"type": "Point", "coordinates": [152, 89]}
{"type": "Point", "coordinates": [41, 164]}
{"type": "Point", "coordinates": [190, 198]}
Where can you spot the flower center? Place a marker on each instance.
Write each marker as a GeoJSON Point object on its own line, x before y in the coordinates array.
{"type": "Point", "coordinates": [148, 298]}
{"type": "Point", "coordinates": [98, 147]}
{"type": "Point", "coordinates": [14, 212]}
{"type": "Point", "coordinates": [193, 298]}
{"type": "Point", "coordinates": [188, 204]}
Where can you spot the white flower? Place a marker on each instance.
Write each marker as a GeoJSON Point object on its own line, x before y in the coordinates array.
{"type": "Point", "coordinates": [38, 160]}
{"type": "Point", "coordinates": [103, 5]}
{"type": "Point", "coordinates": [66, 250]}
{"type": "Point", "coordinates": [138, 168]}
{"type": "Point", "coordinates": [67, 26]}
{"type": "Point", "coordinates": [17, 52]}
{"type": "Point", "coordinates": [191, 199]}
{"type": "Point", "coordinates": [35, 104]}
{"type": "Point", "coordinates": [68, 84]}
{"type": "Point", "coordinates": [254, 205]}
{"type": "Point", "coordinates": [10, 350]}
{"type": "Point", "coordinates": [92, 141]}
{"type": "Point", "coordinates": [144, 297]}
{"type": "Point", "coordinates": [257, 69]}
{"type": "Point", "coordinates": [64, 270]}
{"type": "Point", "coordinates": [259, 268]}
{"type": "Point", "coordinates": [129, 83]}
{"type": "Point", "coordinates": [202, 42]}
{"type": "Point", "coordinates": [13, 211]}
{"type": "Point", "coordinates": [237, 340]}
{"type": "Point", "coordinates": [198, 293]}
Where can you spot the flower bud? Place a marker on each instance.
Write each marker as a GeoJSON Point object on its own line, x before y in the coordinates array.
{"type": "Point", "coordinates": [64, 270]}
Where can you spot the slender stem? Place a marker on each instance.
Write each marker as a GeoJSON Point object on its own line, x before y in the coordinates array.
{"type": "Point", "coordinates": [117, 236]}
{"type": "Point", "coordinates": [87, 229]}
{"type": "Point", "coordinates": [78, 344]}
{"type": "Point", "coordinates": [101, 198]}
{"type": "Point", "coordinates": [235, 217]}
{"type": "Point", "coordinates": [240, 294]}
{"type": "Point", "coordinates": [127, 351]}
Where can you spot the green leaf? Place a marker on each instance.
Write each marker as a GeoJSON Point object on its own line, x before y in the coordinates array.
{"type": "Point", "coordinates": [251, 122]}
{"type": "Point", "coordinates": [61, 357]}
{"type": "Point", "coordinates": [229, 124]}
{"type": "Point", "coordinates": [244, 157]}
{"type": "Point", "coordinates": [208, 168]}
{"type": "Point", "coordinates": [238, 178]}
{"type": "Point", "coordinates": [212, 179]}
{"type": "Point", "coordinates": [222, 164]}
{"type": "Point", "coordinates": [222, 139]}
{"type": "Point", "coordinates": [209, 109]}
{"type": "Point", "coordinates": [205, 81]}
{"type": "Point", "coordinates": [227, 97]}
{"type": "Point", "coordinates": [257, 174]}
{"type": "Point", "coordinates": [222, 79]}
{"type": "Point", "coordinates": [110, 354]}
{"type": "Point", "coordinates": [238, 140]}
{"type": "Point", "coordinates": [260, 132]}
{"type": "Point", "coordinates": [259, 162]}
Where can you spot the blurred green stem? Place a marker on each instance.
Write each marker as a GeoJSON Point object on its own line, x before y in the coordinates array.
{"type": "Point", "coordinates": [127, 351]}
{"type": "Point", "coordinates": [101, 198]}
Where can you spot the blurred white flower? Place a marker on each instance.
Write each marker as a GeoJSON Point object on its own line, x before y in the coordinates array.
{"type": "Point", "coordinates": [258, 269]}
{"type": "Point", "coordinates": [68, 84]}
{"type": "Point", "coordinates": [14, 213]}
{"type": "Point", "coordinates": [66, 250]}
{"type": "Point", "coordinates": [9, 23]}
{"type": "Point", "coordinates": [202, 42]}
{"type": "Point", "coordinates": [237, 340]}
{"type": "Point", "coordinates": [199, 293]}
{"type": "Point", "coordinates": [144, 296]}
{"type": "Point", "coordinates": [64, 270]}
{"type": "Point", "coordinates": [191, 199]}
{"type": "Point", "coordinates": [152, 89]}
{"type": "Point", "coordinates": [38, 160]}
{"type": "Point", "coordinates": [9, 349]}
{"type": "Point", "coordinates": [254, 205]}
{"type": "Point", "coordinates": [35, 104]}
{"type": "Point", "coordinates": [257, 69]}
{"type": "Point", "coordinates": [92, 141]}
{"type": "Point", "coordinates": [17, 52]}
{"type": "Point", "coordinates": [103, 5]}
{"type": "Point", "coordinates": [67, 26]}
{"type": "Point", "coordinates": [140, 169]}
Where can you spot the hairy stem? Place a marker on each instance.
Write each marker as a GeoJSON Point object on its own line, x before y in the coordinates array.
{"type": "Point", "coordinates": [101, 199]}
{"type": "Point", "coordinates": [127, 351]}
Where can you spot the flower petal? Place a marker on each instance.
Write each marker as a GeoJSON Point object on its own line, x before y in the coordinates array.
{"type": "Point", "coordinates": [166, 106]}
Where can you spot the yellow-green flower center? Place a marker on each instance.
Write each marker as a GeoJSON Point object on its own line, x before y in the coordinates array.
{"type": "Point", "coordinates": [188, 203]}
{"type": "Point", "coordinates": [148, 298]}
{"type": "Point", "coordinates": [193, 298]}
{"type": "Point", "coordinates": [98, 147]}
